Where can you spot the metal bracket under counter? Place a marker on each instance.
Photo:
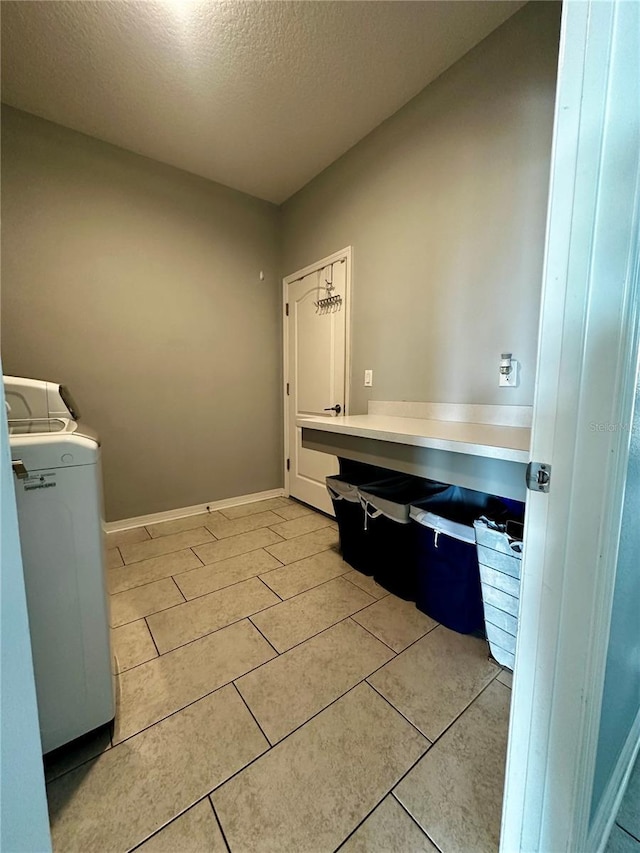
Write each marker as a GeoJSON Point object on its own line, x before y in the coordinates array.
{"type": "Point", "coordinates": [482, 469]}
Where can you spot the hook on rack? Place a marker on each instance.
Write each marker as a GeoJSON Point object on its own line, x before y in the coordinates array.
{"type": "Point", "coordinates": [332, 301]}
{"type": "Point", "coordinates": [328, 304]}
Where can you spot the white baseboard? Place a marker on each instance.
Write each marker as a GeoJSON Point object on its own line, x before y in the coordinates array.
{"type": "Point", "coordinates": [610, 804]}
{"type": "Point", "coordinates": [185, 511]}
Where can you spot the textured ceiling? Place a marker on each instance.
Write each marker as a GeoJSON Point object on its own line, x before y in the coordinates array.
{"type": "Point", "coordinates": [260, 96]}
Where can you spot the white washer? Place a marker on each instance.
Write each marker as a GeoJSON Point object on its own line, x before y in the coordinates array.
{"type": "Point", "coordinates": [58, 487]}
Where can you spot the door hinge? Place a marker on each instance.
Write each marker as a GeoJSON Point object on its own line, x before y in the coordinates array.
{"type": "Point", "coordinates": [287, 389]}
{"type": "Point", "coordinates": [286, 309]}
{"type": "Point", "coordinates": [288, 464]}
{"type": "Point", "coordinates": [538, 476]}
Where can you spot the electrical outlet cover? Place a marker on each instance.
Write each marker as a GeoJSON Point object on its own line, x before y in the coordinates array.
{"type": "Point", "coordinates": [513, 378]}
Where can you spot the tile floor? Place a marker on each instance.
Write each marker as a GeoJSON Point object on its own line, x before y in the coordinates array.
{"type": "Point", "coordinates": [271, 699]}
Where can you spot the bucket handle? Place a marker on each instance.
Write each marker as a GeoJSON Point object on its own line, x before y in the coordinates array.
{"type": "Point", "coordinates": [367, 513]}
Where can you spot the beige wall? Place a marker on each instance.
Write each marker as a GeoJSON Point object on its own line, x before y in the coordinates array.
{"type": "Point", "coordinates": [444, 205]}
{"type": "Point", "coordinates": [138, 286]}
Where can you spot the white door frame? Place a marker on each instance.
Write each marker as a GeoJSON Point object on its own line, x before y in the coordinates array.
{"type": "Point", "coordinates": [587, 361]}
{"type": "Point", "coordinates": [347, 255]}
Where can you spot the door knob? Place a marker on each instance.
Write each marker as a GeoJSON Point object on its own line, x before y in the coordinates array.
{"type": "Point", "coordinates": [337, 409]}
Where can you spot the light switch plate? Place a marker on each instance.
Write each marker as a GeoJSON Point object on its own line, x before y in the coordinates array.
{"type": "Point", "coordinates": [368, 378]}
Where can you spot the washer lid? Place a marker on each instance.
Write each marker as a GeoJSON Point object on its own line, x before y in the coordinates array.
{"type": "Point", "coordinates": [52, 443]}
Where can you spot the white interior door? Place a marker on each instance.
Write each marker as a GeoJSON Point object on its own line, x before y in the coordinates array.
{"type": "Point", "coordinates": [315, 369]}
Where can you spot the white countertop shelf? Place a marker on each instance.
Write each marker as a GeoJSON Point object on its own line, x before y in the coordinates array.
{"type": "Point", "coordinates": [474, 439]}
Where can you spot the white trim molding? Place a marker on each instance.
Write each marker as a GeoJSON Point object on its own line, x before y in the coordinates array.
{"type": "Point", "coordinates": [586, 375]}
{"type": "Point", "coordinates": [186, 511]}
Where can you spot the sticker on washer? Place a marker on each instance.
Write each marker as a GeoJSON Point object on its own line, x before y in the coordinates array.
{"type": "Point", "coordinates": [40, 481]}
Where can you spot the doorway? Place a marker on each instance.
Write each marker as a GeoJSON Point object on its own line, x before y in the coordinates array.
{"type": "Point", "coordinates": [316, 345]}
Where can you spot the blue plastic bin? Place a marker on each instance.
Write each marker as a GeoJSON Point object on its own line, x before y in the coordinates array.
{"type": "Point", "coordinates": [390, 539]}
{"type": "Point", "coordinates": [343, 491]}
{"type": "Point", "coordinates": [448, 576]}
